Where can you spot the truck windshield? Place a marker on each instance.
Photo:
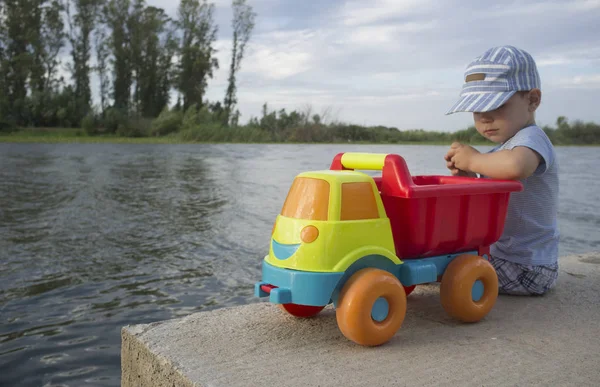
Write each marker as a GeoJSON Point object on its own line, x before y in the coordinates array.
{"type": "Point", "coordinates": [308, 198]}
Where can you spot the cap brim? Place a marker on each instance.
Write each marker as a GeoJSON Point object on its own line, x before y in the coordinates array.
{"type": "Point", "coordinates": [481, 102]}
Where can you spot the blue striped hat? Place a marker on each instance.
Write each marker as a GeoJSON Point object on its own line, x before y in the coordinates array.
{"type": "Point", "coordinates": [495, 76]}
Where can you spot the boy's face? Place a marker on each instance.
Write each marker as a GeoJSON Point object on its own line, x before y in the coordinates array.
{"type": "Point", "coordinates": [501, 124]}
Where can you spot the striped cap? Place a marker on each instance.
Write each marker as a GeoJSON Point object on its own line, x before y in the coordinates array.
{"type": "Point", "coordinates": [495, 76]}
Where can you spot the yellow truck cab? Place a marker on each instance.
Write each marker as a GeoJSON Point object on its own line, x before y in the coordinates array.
{"type": "Point", "coordinates": [328, 221]}
{"type": "Point", "coordinates": [332, 224]}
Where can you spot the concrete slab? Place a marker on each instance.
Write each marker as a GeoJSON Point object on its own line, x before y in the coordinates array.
{"type": "Point", "coordinates": [549, 340]}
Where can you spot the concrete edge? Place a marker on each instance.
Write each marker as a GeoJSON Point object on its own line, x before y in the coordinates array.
{"type": "Point", "coordinates": [140, 366]}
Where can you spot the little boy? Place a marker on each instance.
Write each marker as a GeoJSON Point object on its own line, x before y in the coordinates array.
{"type": "Point", "coordinates": [502, 90]}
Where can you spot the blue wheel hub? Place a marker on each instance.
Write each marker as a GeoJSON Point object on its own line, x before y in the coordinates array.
{"type": "Point", "coordinates": [477, 291]}
{"type": "Point", "coordinates": [380, 309]}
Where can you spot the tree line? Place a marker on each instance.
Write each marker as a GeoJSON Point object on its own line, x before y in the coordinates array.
{"type": "Point", "coordinates": [307, 126]}
{"type": "Point", "coordinates": [141, 55]}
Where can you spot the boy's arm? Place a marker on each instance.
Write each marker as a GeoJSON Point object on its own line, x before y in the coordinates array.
{"type": "Point", "coordinates": [517, 163]}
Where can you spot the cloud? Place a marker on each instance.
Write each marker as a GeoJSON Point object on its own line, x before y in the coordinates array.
{"type": "Point", "coordinates": [359, 12]}
{"type": "Point", "coordinates": [539, 8]}
{"type": "Point", "coordinates": [276, 65]}
{"type": "Point", "coordinates": [588, 81]}
{"type": "Point", "coordinates": [171, 6]}
{"type": "Point", "coordinates": [387, 34]}
{"type": "Point", "coordinates": [573, 54]}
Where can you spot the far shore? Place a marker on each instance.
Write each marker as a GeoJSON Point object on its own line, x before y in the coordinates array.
{"type": "Point", "coordinates": [75, 136]}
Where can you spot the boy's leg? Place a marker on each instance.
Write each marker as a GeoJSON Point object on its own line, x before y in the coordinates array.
{"type": "Point", "coordinates": [517, 279]}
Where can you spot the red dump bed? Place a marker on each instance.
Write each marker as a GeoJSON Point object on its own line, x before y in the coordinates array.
{"type": "Point", "coordinates": [437, 215]}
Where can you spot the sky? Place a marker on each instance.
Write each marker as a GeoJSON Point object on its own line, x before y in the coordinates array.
{"type": "Point", "coordinates": [400, 63]}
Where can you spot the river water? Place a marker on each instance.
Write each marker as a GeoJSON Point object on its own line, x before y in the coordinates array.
{"type": "Point", "coordinates": [97, 236]}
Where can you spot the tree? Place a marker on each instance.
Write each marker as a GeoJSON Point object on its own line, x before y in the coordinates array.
{"type": "Point", "coordinates": [53, 38]}
{"type": "Point", "coordinates": [135, 26]}
{"type": "Point", "coordinates": [153, 46]}
{"type": "Point", "coordinates": [242, 23]}
{"type": "Point", "coordinates": [116, 14]}
{"type": "Point", "coordinates": [196, 56]}
{"type": "Point", "coordinates": [81, 26]}
{"type": "Point", "coordinates": [47, 40]}
{"type": "Point", "coordinates": [2, 29]}
{"type": "Point", "coordinates": [562, 123]}
{"type": "Point", "coordinates": [17, 61]}
{"type": "Point", "coordinates": [165, 75]}
{"type": "Point", "coordinates": [3, 65]}
{"type": "Point", "coordinates": [34, 18]}
{"type": "Point", "coordinates": [102, 55]}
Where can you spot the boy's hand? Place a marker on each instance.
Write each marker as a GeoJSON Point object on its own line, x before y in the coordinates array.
{"type": "Point", "coordinates": [514, 164]}
{"type": "Point", "coordinates": [459, 159]}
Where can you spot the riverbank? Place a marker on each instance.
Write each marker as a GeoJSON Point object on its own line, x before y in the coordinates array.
{"type": "Point", "coordinates": [62, 138]}
{"type": "Point", "coordinates": [84, 139]}
{"type": "Point", "coordinates": [75, 136]}
{"type": "Point", "coordinates": [549, 340]}
{"type": "Point", "coordinates": [166, 140]}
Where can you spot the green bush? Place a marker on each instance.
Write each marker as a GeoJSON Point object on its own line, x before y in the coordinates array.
{"type": "Point", "coordinates": [89, 125]}
{"type": "Point", "coordinates": [190, 118]}
{"type": "Point", "coordinates": [200, 133]}
{"type": "Point", "coordinates": [135, 127]}
{"type": "Point", "coordinates": [115, 120]}
{"type": "Point", "coordinates": [167, 122]}
{"type": "Point", "coordinates": [7, 126]}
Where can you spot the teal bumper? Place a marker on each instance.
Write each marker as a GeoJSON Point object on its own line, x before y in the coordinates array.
{"type": "Point", "coordinates": [284, 286]}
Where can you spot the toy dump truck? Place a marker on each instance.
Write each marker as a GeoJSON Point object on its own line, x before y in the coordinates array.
{"type": "Point", "coordinates": [363, 243]}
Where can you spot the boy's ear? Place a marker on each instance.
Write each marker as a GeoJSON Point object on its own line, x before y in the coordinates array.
{"type": "Point", "coordinates": [535, 98]}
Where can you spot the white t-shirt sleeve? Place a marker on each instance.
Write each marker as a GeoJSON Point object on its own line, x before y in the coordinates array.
{"type": "Point", "coordinates": [534, 138]}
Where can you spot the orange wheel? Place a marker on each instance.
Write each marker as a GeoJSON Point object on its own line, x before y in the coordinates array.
{"type": "Point", "coordinates": [301, 311]}
{"type": "Point", "coordinates": [372, 306]}
{"type": "Point", "coordinates": [469, 288]}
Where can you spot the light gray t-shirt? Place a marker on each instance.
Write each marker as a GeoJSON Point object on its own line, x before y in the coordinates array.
{"type": "Point", "coordinates": [531, 234]}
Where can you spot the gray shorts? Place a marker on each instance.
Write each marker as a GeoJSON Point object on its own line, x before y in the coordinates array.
{"type": "Point", "coordinates": [524, 280]}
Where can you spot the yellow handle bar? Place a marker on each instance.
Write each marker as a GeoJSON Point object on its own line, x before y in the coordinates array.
{"type": "Point", "coordinates": [365, 161]}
